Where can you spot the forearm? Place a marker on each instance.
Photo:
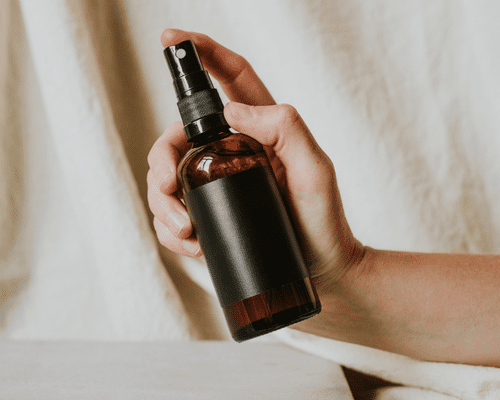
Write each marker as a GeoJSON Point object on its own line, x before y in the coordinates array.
{"type": "Point", "coordinates": [439, 307]}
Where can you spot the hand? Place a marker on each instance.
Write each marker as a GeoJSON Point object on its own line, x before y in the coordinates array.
{"type": "Point", "coordinates": [421, 305]}
{"type": "Point", "coordinates": [304, 172]}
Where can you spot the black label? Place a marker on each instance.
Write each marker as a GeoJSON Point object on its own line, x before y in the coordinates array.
{"type": "Point", "coordinates": [245, 234]}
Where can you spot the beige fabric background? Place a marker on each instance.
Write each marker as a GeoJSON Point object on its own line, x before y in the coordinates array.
{"type": "Point", "coordinates": [403, 97]}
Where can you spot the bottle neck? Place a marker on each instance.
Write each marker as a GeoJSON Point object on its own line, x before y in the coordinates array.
{"type": "Point", "coordinates": [209, 138]}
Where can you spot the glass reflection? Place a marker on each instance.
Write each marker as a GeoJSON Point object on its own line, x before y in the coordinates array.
{"type": "Point", "coordinates": [204, 164]}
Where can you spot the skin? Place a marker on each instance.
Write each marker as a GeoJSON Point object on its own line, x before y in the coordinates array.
{"type": "Point", "coordinates": [435, 307]}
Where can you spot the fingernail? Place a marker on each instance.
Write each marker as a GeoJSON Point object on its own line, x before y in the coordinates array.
{"type": "Point", "coordinates": [162, 172]}
{"type": "Point", "coordinates": [191, 247]}
{"type": "Point", "coordinates": [176, 222]}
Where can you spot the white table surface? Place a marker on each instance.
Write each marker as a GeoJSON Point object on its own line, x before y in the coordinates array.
{"type": "Point", "coordinates": [166, 370]}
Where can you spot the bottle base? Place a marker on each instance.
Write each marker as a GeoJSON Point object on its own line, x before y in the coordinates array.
{"type": "Point", "coordinates": [272, 310]}
{"type": "Point", "coordinates": [279, 320]}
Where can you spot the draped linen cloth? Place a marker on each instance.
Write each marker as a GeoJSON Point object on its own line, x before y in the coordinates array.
{"type": "Point", "coordinates": [402, 96]}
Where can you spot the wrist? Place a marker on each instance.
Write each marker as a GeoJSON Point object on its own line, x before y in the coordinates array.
{"type": "Point", "coordinates": [342, 267]}
{"type": "Point", "coordinates": [342, 315]}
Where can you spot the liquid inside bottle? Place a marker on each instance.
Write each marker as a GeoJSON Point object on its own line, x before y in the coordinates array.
{"type": "Point", "coordinates": [240, 156]}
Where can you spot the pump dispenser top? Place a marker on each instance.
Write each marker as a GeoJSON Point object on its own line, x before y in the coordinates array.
{"type": "Point", "coordinates": [199, 102]}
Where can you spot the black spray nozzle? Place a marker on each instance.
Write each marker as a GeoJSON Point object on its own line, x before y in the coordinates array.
{"type": "Point", "coordinates": [186, 69]}
{"type": "Point", "coordinates": [183, 59]}
{"type": "Point", "coordinates": [199, 103]}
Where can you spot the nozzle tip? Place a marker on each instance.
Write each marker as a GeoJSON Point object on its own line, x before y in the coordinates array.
{"type": "Point", "coordinates": [182, 59]}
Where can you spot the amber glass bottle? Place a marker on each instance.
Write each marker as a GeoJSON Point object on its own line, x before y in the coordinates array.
{"type": "Point", "coordinates": [237, 211]}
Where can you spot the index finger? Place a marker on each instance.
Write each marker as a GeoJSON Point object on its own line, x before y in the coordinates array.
{"type": "Point", "coordinates": [235, 75]}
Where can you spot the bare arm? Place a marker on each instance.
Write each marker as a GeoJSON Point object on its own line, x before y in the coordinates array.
{"type": "Point", "coordinates": [436, 307]}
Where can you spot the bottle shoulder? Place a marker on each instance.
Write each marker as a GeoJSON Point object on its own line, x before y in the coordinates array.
{"type": "Point", "coordinates": [228, 156]}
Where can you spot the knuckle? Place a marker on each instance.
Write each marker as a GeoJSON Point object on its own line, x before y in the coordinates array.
{"type": "Point", "coordinates": [150, 189]}
{"type": "Point", "coordinates": [176, 127]}
{"type": "Point", "coordinates": [159, 149]}
{"type": "Point", "coordinates": [241, 62]}
{"type": "Point", "coordinates": [239, 65]}
{"type": "Point", "coordinates": [153, 156]}
{"type": "Point", "coordinates": [328, 163]}
{"type": "Point", "coordinates": [153, 206]}
{"type": "Point", "coordinates": [288, 114]}
{"type": "Point", "coordinates": [152, 186]}
{"type": "Point", "coordinates": [149, 178]}
{"type": "Point", "coordinates": [150, 159]}
{"type": "Point", "coordinates": [161, 232]}
{"type": "Point", "coordinates": [202, 38]}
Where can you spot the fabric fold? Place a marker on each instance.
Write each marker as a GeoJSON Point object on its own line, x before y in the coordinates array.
{"type": "Point", "coordinates": [466, 382]}
{"type": "Point", "coordinates": [141, 298]}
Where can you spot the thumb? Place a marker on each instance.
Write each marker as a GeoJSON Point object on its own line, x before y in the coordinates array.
{"type": "Point", "coordinates": [310, 183]}
{"type": "Point", "coordinates": [281, 128]}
